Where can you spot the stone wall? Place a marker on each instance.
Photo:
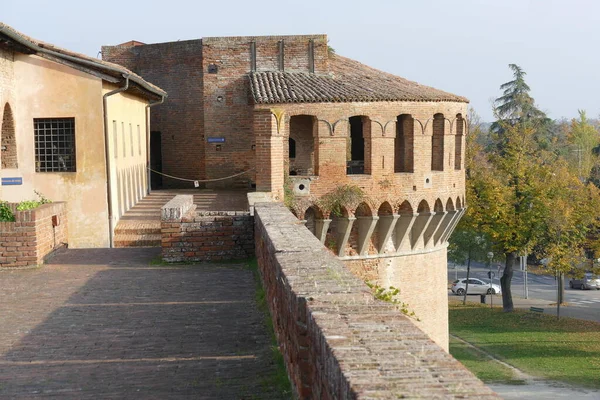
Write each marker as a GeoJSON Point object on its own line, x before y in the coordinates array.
{"type": "Point", "coordinates": [190, 235]}
{"type": "Point", "coordinates": [33, 235]}
{"type": "Point", "coordinates": [337, 341]}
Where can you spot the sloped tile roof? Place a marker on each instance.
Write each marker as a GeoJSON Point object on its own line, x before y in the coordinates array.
{"type": "Point", "coordinates": [347, 81]}
{"type": "Point", "coordinates": [34, 46]}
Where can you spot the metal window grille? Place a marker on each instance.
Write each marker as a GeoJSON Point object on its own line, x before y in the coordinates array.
{"type": "Point", "coordinates": [54, 144]}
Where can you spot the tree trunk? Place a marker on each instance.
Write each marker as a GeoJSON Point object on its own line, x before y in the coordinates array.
{"type": "Point", "coordinates": [468, 273]}
{"type": "Point", "coordinates": [505, 281]}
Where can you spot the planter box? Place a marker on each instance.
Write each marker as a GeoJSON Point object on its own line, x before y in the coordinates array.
{"type": "Point", "coordinates": [33, 235]}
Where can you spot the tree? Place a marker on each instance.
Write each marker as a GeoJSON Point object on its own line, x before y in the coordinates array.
{"type": "Point", "coordinates": [516, 106]}
{"type": "Point", "coordinates": [518, 191]}
{"type": "Point", "coordinates": [583, 138]}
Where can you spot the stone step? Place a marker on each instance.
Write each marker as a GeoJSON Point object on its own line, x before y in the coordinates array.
{"type": "Point", "coordinates": [127, 230]}
{"type": "Point", "coordinates": [133, 240]}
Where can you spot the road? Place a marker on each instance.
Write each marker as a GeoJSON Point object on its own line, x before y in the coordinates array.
{"type": "Point", "coordinates": [579, 303]}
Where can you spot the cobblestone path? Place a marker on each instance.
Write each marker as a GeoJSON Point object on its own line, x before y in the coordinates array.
{"type": "Point", "coordinates": [106, 324]}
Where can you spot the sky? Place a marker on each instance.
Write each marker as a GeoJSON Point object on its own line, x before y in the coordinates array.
{"type": "Point", "coordinates": [460, 46]}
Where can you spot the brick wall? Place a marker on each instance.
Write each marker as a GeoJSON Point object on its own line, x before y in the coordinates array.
{"type": "Point", "coordinates": [33, 235]}
{"type": "Point", "coordinates": [8, 157]}
{"type": "Point", "coordinates": [383, 183]}
{"type": "Point", "coordinates": [176, 67]}
{"type": "Point", "coordinates": [337, 341]}
{"type": "Point", "coordinates": [190, 235]}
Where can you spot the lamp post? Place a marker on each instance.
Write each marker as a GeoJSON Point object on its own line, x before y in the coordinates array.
{"type": "Point", "coordinates": [490, 255]}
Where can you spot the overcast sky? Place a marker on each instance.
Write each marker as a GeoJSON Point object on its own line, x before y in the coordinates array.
{"type": "Point", "coordinates": [461, 46]}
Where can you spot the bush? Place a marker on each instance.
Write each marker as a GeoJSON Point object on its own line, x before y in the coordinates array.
{"type": "Point", "coordinates": [6, 214]}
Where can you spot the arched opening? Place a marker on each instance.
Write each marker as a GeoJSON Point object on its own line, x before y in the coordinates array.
{"type": "Point", "coordinates": [449, 205]}
{"type": "Point", "coordinates": [437, 143]}
{"type": "Point", "coordinates": [405, 208]}
{"type": "Point", "coordinates": [363, 216]}
{"type": "Point", "coordinates": [404, 144]}
{"type": "Point", "coordinates": [458, 203]}
{"type": "Point", "coordinates": [438, 207]}
{"type": "Point", "coordinates": [8, 140]}
{"type": "Point", "coordinates": [458, 141]}
{"type": "Point", "coordinates": [359, 125]}
{"type": "Point", "coordinates": [423, 207]}
{"type": "Point", "coordinates": [310, 216]}
{"type": "Point", "coordinates": [382, 235]}
{"type": "Point", "coordinates": [301, 152]}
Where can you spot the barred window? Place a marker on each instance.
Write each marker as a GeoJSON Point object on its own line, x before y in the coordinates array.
{"type": "Point", "coordinates": [54, 144]}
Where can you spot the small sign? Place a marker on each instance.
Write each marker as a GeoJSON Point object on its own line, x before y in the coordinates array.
{"type": "Point", "coordinates": [12, 181]}
{"type": "Point", "coordinates": [491, 275]}
{"type": "Point", "coordinates": [196, 184]}
{"type": "Point", "coordinates": [216, 140]}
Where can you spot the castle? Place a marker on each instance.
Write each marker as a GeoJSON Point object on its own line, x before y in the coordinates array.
{"type": "Point", "coordinates": [373, 163]}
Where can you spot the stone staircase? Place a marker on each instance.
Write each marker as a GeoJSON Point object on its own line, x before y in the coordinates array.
{"type": "Point", "coordinates": [137, 234]}
{"type": "Point", "coordinates": [140, 225]}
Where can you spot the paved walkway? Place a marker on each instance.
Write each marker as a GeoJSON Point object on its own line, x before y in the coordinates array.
{"type": "Point", "coordinates": [107, 324]}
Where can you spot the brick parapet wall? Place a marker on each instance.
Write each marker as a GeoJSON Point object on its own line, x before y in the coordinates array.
{"type": "Point", "coordinates": [205, 236]}
{"type": "Point", "coordinates": [32, 236]}
{"type": "Point", "coordinates": [338, 342]}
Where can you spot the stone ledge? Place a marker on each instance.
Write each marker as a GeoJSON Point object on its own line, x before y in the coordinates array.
{"type": "Point", "coordinates": [177, 208]}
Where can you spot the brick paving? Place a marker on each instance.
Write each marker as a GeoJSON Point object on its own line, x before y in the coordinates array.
{"type": "Point", "coordinates": [140, 226]}
{"type": "Point", "coordinates": [108, 324]}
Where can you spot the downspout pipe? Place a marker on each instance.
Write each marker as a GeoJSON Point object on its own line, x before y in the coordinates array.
{"type": "Point", "coordinates": [108, 158]}
{"type": "Point", "coordinates": [151, 104]}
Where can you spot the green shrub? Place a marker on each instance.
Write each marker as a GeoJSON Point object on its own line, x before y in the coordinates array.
{"type": "Point", "coordinates": [6, 214]}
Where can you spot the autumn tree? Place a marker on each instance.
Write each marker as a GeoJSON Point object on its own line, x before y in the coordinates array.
{"type": "Point", "coordinates": [522, 196]}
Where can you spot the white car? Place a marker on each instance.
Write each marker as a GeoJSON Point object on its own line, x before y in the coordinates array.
{"type": "Point", "coordinates": [476, 286]}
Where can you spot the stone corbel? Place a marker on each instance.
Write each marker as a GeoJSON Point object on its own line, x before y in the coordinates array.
{"type": "Point", "coordinates": [385, 230]}
{"type": "Point", "coordinates": [321, 227]}
{"type": "Point", "coordinates": [453, 224]}
{"type": "Point", "coordinates": [436, 220]}
{"type": "Point", "coordinates": [419, 227]}
{"type": "Point", "coordinates": [343, 229]}
{"type": "Point", "coordinates": [366, 226]}
{"type": "Point", "coordinates": [444, 225]}
{"type": "Point", "coordinates": [403, 228]}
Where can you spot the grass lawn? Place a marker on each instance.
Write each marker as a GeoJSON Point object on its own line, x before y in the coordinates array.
{"type": "Point", "coordinates": [566, 350]}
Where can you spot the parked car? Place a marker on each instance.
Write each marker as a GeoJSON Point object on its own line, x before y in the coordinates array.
{"type": "Point", "coordinates": [588, 281]}
{"type": "Point", "coordinates": [476, 286]}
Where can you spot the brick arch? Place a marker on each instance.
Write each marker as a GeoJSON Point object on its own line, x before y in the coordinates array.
{"type": "Point", "coordinates": [458, 203]}
{"type": "Point", "coordinates": [405, 208]}
{"type": "Point", "coordinates": [8, 140]}
{"type": "Point", "coordinates": [437, 142]}
{"type": "Point", "coordinates": [438, 206]}
{"type": "Point", "coordinates": [423, 207]}
{"type": "Point", "coordinates": [385, 209]}
{"type": "Point", "coordinates": [363, 210]}
{"type": "Point", "coordinates": [300, 152]}
{"type": "Point", "coordinates": [311, 214]}
{"type": "Point", "coordinates": [319, 214]}
{"type": "Point", "coordinates": [458, 141]}
{"type": "Point", "coordinates": [449, 205]}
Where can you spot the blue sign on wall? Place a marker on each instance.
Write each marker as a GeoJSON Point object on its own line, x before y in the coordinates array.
{"type": "Point", "coordinates": [216, 140]}
{"type": "Point", "coordinates": [12, 181]}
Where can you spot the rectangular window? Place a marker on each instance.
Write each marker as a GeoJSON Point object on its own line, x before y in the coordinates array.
{"type": "Point", "coordinates": [139, 141]}
{"type": "Point", "coordinates": [131, 138]}
{"type": "Point", "coordinates": [123, 134]}
{"type": "Point", "coordinates": [115, 141]}
{"type": "Point", "coordinates": [54, 144]}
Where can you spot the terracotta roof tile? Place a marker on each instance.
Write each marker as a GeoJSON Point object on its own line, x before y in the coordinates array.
{"type": "Point", "coordinates": [348, 81]}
